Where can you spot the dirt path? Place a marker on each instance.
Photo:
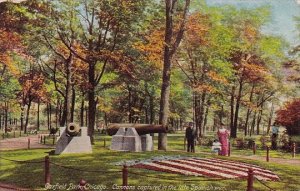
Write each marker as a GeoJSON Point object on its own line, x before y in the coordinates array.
{"type": "Point", "coordinates": [22, 143]}
{"type": "Point", "coordinates": [260, 158]}
{"type": "Point", "coordinates": [276, 160]}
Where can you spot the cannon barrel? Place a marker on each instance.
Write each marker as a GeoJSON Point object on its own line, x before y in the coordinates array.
{"type": "Point", "coordinates": [141, 129]}
{"type": "Point", "coordinates": [73, 129]}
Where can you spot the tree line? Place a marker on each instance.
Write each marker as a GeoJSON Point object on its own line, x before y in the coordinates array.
{"type": "Point", "coordinates": [141, 62]}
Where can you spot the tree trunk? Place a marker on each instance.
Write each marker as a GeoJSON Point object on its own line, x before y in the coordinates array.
{"type": "Point", "coordinates": [270, 118]}
{"type": "Point", "coordinates": [63, 117]}
{"type": "Point", "coordinates": [27, 116]}
{"type": "Point", "coordinates": [166, 76]}
{"type": "Point", "coordinates": [164, 100]}
{"type": "Point", "coordinates": [237, 107]}
{"type": "Point", "coordinates": [248, 110]}
{"type": "Point", "coordinates": [197, 113]}
{"type": "Point", "coordinates": [169, 51]}
{"type": "Point", "coordinates": [68, 98]}
{"type": "Point", "coordinates": [38, 116]}
{"type": "Point", "coordinates": [181, 124]}
{"type": "Point", "coordinates": [259, 117]}
{"type": "Point", "coordinates": [129, 105]}
{"type": "Point", "coordinates": [253, 124]}
{"type": "Point", "coordinates": [48, 116]}
{"type": "Point", "coordinates": [232, 110]}
{"type": "Point", "coordinates": [57, 113]}
{"type": "Point", "coordinates": [73, 104]}
{"type": "Point", "coordinates": [91, 100]}
{"type": "Point", "coordinates": [205, 118]}
{"type": "Point", "coordinates": [82, 111]}
{"type": "Point", "coordinates": [105, 119]}
{"type": "Point", "coordinates": [260, 105]}
{"type": "Point", "coordinates": [22, 118]}
{"type": "Point", "coordinates": [202, 108]}
{"type": "Point", "coordinates": [5, 116]}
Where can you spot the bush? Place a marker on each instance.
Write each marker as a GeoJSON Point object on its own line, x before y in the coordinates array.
{"type": "Point", "coordinates": [240, 143]}
{"type": "Point", "coordinates": [53, 131]}
{"type": "Point", "coordinates": [206, 141]}
{"type": "Point", "coordinates": [265, 141]}
{"type": "Point", "coordinates": [284, 140]}
{"type": "Point", "coordinates": [249, 142]}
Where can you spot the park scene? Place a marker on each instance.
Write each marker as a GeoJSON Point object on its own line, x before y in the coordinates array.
{"type": "Point", "coordinates": [150, 95]}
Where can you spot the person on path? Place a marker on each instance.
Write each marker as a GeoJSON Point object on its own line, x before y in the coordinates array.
{"type": "Point", "coordinates": [275, 131]}
{"type": "Point", "coordinates": [223, 135]}
{"type": "Point", "coordinates": [190, 137]}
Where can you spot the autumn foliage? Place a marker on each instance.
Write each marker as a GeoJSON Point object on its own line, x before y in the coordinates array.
{"type": "Point", "coordinates": [33, 88]}
{"type": "Point", "coordinates": [289, 116]}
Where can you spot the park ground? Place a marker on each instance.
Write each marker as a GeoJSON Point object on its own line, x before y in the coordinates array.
{"type": "Point", "coordinates": [100, 171]}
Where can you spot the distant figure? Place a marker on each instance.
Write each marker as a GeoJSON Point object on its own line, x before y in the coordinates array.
{"type": "Point", "coordinates": [223, 135]}
{"type": "Point", "coordinates": [275, 131]}
{"type": "Point", "coordinates": [190, 137]}
{"type": "Point", "coordinates": [216, 146]}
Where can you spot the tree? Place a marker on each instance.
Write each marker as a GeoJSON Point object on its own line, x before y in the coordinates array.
{"type": "Point", "coordinates": [289, 116]}
{"type": "Point", "coordinates": [254, 57]}
{"type": "Point", "coordinates": [33, 89]}
{"type": "Point", "coordinates": [202, 59]}
{"type": "Point", "coordinates": [172, 41]}
{"type": "Point", "coordinates": [97, 33]}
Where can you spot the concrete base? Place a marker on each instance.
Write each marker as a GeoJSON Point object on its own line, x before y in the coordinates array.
{"type": "Point", "coordinates": [117, 142]}
{"type": "Point", "coordinates": [77, 144]}
{"type": "Point", "coordinates": [147, 143]}
{"type": "Point", "coordinates": [126, 139]}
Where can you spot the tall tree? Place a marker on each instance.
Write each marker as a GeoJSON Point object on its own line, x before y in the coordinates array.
{"type": "Point", "coordinates": [172, 41]}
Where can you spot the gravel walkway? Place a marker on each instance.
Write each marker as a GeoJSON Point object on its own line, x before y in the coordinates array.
{"type": "Point", "coordinates": [272, 159]}
{"type": "Point", "coordinates": [22, 143]}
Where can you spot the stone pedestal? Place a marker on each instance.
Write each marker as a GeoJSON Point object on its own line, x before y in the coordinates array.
{"type": "Point", "coordinates": [76, 144]}
{"type": "Point", "coordinates": [147, 143]}
{"type": "Point", "coordinates": [132, 141]}
{"type": "Point", "coordinates": [117, 140]}
{"type": "Point", "coordinates": [126, 139]}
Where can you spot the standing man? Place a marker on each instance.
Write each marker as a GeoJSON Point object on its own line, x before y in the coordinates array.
{"type": "Point", "coordinates": [190, 137]}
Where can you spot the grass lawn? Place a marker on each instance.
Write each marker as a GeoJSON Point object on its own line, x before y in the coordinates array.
{"type": "Point", "coordinates": [102, 159]}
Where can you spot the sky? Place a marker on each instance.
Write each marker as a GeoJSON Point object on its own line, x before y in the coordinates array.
{"type": "Point", "coordinates": [283, 13]}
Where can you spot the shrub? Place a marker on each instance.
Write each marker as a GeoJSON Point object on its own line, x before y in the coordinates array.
{"type": "Point", "coordinates": [284, 140]}
{"type": "Point", "coordinates": [265, 141]}
{"type": "Point", "coordinates": [205, 141]}
{"type": "Point", "coordinates": [53, 131]}
{"type": "Point", "coordinates": [250, 142]}
{"type": "Point", "coordinates": [240, 143]}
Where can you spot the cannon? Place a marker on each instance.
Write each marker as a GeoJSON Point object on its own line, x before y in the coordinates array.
{"type": "Point", "coordinates": [73, 129]}
{"type": "Point", "coordinates": [141, 129]}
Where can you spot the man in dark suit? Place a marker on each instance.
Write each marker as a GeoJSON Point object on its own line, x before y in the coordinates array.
{"type": "Point", "coordinates": [190, 137]}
